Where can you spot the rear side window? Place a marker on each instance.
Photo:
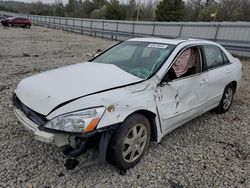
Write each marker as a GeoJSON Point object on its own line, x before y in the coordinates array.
{"type": "Point", "coordinates": [214, 57]}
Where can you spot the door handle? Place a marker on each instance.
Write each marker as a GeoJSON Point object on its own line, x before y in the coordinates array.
{"type": "Point", "coordinates": [228, 71]}
{"type": "Point", "coordinates": [204, 81]}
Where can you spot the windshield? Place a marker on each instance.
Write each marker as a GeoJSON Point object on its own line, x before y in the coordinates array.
{"type": "Point", "coordinates": [140, 59]}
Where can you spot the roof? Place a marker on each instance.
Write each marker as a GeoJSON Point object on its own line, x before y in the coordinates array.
{"type": "Point", "coordinates": [163, 40]}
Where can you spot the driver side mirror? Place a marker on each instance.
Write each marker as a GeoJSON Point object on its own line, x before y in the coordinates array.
{"type": "Point", "coordinates": [97, 53]}
{"type": "Point", "coordinates": [165, 80]}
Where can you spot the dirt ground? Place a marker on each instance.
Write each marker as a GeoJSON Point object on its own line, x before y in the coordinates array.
{"type": "Point", "coordinates": [210, 151]}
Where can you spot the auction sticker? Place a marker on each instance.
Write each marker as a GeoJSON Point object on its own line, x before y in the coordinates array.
{"type": "Point", "coordinates": [162, 46]}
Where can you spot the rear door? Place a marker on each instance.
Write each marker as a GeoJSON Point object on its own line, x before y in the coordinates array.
{"type": "Point", "coordinates": [219, 72]}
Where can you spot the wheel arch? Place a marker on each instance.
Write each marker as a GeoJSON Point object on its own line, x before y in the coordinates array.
{"type": "Point", "coordinates": [234, 83]}
{"type": "Point", "coordinates": [151, 118]}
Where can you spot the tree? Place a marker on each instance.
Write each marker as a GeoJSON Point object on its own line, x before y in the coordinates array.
{"type": "Point", "coordinates": [99, 3]}
{"type": "Point", "coordinates": [235, 10]}
{"type": "Point", "coordinates": [115, 11]}
{"type": "Point", "coordinates": [147, 11]}
{"type": "Point", "coordinates": [99, 13]}
{"type": "Point", "coordinates": [59, 8]}
{"type": "Point", "coordinates": [131, 9]}
{"type": "Point", "coordinates": [170, 10]}
{"type": "Point", "coordinates": [205, 13]}
{"type": "Point", "coordinates": [71, 8]}
{"type": "Point", "coordinates": [86, 8]}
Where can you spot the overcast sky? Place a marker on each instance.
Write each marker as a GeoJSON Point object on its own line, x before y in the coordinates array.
{"type": "Point", "coordinates": [65, 1]}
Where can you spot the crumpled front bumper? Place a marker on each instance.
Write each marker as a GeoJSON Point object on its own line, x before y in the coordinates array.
{"type": "Point", "coordinates": [57, 139]}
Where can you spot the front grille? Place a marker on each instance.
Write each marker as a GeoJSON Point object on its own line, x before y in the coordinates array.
{"type": "Point", "coordinates": [31, 114]}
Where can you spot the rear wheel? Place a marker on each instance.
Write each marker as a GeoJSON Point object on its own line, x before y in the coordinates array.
{"type": "Point", "coordinates": [130, 142]}
{"type": "Point", "coordinates": [226, 100]}
{"type": "Point", "coordinates": [27, 26]}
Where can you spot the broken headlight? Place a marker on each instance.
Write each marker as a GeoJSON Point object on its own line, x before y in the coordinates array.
{"type": "Point", "coordinates": [77, 122]}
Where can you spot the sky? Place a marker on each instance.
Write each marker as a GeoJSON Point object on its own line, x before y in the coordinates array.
{"type": "Point", "coordinates": [65, 1]}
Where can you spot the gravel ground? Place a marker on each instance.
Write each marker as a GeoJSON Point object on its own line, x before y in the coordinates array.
{"type": "Point", "coordinates": [210, 151]}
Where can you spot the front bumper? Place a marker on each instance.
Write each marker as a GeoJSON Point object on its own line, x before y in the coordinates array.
{"type": "Point", "coordinates": [99, 143]}
{"type": "Point", "coordinates": [32, 127]}
{"type": "Point", "coordinates": [57, 139]}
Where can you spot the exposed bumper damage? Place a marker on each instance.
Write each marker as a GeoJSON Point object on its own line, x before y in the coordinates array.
{"type": "Point", "coordinates": [75, 145]}
{"type": "Point", "coordinates": [99, 145]}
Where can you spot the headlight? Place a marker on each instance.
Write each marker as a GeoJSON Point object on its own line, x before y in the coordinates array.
{"type": "Point", "coordinates": [77, 122]}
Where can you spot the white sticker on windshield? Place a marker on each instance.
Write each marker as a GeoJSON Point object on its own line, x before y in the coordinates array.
{"type": "Point", "coordinates": [162, 46]}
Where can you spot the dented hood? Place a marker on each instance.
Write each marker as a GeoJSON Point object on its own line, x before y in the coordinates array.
{"type": "Point", "coordinates": [43, 92]}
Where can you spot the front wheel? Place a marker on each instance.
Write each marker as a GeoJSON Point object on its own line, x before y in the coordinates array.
{"type": "Point", "coordinates": [130, 142]}
{"type": "Point", "coordinates": [226, 100]}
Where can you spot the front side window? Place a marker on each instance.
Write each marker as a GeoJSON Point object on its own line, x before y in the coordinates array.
{"type": "Point", "coordinates": [187, 63]}
{"type": "Point", "coordinates": [213, 56]}
{"type": "Point", "coordinates": [141, 59]}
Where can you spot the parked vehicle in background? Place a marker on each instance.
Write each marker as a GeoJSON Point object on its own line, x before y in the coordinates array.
{"type": "Point", "coordinates": [16, 21]}
{"type": "Point", "coordinates": [2, 18]}
{"type": "Point", "coordinates": [137, 91]}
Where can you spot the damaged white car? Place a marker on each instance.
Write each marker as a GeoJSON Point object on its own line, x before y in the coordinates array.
{"type": "Point", "coordinates": [138, 90]}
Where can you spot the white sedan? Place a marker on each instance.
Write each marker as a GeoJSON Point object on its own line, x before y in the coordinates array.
{"type": "Point", "coordinates": [138, 90]}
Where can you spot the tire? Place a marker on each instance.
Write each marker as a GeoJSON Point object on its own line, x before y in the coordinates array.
{"type": "Point", "coordinates": [27, 26]}
{"type": "Point", "coordinates": [10, 25]}
{"type": "Point", "coordinates": [226, 100]}
{"type": "Point", "coordinates": [129, 143]}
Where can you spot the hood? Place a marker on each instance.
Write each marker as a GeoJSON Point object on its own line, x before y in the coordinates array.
{"type": "Point", "coordinates": [43, 92]}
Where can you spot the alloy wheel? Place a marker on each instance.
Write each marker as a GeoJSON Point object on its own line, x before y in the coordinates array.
{"type": "Point", "coordinates": [228, 98]}
{"type": "Point", "coordinates": [134, 143]}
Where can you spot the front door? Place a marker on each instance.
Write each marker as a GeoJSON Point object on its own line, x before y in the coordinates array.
{"type": "Point", "coordinates": [182, 97]}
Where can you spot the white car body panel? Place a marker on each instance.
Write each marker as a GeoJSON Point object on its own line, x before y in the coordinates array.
{"type": "Point", "coordinates": [45, 91]}
{"type": "Point", "coordinates": [119, 103]}
{"type": "Point", "coordinates": [181, 99]}
{"type": "Point", "coordinates": [173, 104]}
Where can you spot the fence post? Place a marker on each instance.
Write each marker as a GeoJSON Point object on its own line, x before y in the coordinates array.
{"type": "Point", "coordinates": [133, 29]}
{"type": "Point", "coordinates": [153, 32]}
{"type": "Point", "coordinates": [90, 27]}
{"type": "Point", "coordinates": [66, 23]}
{"type": "Point", "coordinates": [116, 30]}
{"type": "Point", "coordinates": [72, 28]}
{"type": "Point", "coordinates": [59, 23]}
{"type": "Point", "coordinates": [54, 22]}
{"type": "Point", "coordinates": [181, 26]}
{"type": "Point", "coordinates": [81, 27]}
{"type": "Point", "coordinates": [46, 21]}
{"type": "Point", "coordinates": [102, 28]}
{"type": "Point", "coordinates": [216, 32]}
